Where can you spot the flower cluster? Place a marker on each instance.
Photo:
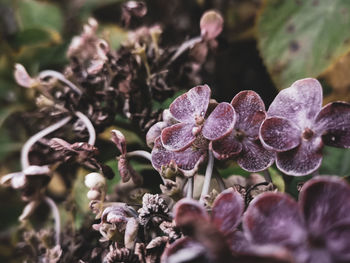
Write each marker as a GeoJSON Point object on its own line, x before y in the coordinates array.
{"type": "Point", "coordinates": [275, 228]}
{"type": "Point", "coordinates": [292, 131]}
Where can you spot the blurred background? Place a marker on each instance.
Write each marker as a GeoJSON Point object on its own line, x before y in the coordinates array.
{"type": "Point", "coordinates": [265, 46]}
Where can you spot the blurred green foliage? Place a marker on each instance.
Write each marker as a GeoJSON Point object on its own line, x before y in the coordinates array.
{"type": "Point", "coordinates": [299, 39]}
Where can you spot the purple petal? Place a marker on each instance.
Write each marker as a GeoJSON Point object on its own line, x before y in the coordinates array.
{"type": "Point", "coordinates": [185, 250]}
{"type": "Point", "coordinates": [300, 103]}
{"type": "Point", "coordinates": [303, 160]}
{"type": "Point", "coordinates": [325, 201]}
{"type": "Point", "coordinates": [254, 157]}
{"type": "Point", "coordinates": [227, 211]}
{"type": "Point", "coordinates": [189, 210]}
{"type": "Point", "coordinates": [273, 218]}
{"type": "Point", "coordinates": [192, 104]}
{"type": "Point", "coordinates": [178, 136]}
{"type": "Point", "coordinates": [338, 242]}
{"type": "Point", "coordinates": [333, 122]}
{"type": "Point", "coordinates": [250, 110]}
{"type": "Point", "coordinates": [279, 134]}
{"type": "Point", "coordinates": [227, 147]}
{"type": "Point", "coordinates": [220, 122]}
{"type": "Point", "coordinates": [154, 132]}
{"type": "Point", "coordinates": [187, 160]}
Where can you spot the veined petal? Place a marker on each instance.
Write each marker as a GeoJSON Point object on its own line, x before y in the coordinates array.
{"type": "Point", "coordinates": [250, 110]}
{"type": "Point", "coordinates": [192, 104]}
{"type": "Point", "coordinates": [254, 157]}
{"type": "Point", "coordinates": [302, 160]}
{"type": "Point", "coordinates": [189, 210]}
{"type": "Point", "coordinates": [333, 123]}
{"type": "Point", "coordinates": [300, 103]}
{"type": "Point", "coordinates": [187, 160]}
{"type": "Point", "coordinates": [154, 132]}
{"type": "Point", "coordinates": [279, 134]}
{"type": "Point", "coordinates": [178, 136]}
{"type": "Point", "coordinates": [227, 210]}
{"type": "Point", "coordinates": [338, 242]}
{"type": "Point", "coordinates": [220, 122]}
{"type": "Point", "coordinates": [273, 218]}
{"type": "Point", "coordinates": [185, 250]}
{"type": "Point", "coordinates": [226, 147]}
{"type": "Point", "coordinates": [325, 201]}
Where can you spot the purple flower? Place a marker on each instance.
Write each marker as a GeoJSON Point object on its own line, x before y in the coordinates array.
{"type": "Point", "coordinates": [215, 237]}
{"type": "Point", "coordinates": [297, 127]}
{"type": "Point", "coordinates": [190, 109]}
{"type": "Point", "coordinates": [209, 235]}
{"type": "Point", "coordinates": [316, 229]}
{"type": "Point", "coordinates": [186, 161]}
{"type": "Point", "coordinates": [243, 143]}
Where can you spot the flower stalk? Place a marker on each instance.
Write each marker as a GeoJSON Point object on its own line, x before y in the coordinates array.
{"type": "Point", "coordinates": [207, 177]}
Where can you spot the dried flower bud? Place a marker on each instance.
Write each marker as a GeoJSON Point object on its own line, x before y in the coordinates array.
{"type": "Point", "coordinates": [152, 205]}
{"type": "Point", "coordinates": [43, 101]}
{"type": "Point", "coordinates": [135, 8]}
{"type": "Point", "coordinates": [95, 180]}
{"type": "Point", "coordinates": [131, 230]}
{"type": "Point", "coordinates": [211, 25]}
{"type": "Point", "coordinates": [169, 171]}
{"type": "Point", "coordinates": [28, 210]}
{"type": "Point", "coordinates": [22, 77]}
{"type": "Point", "coordinates": [119, 140]}
{"type": "Point", "coordinates": [173, 189]}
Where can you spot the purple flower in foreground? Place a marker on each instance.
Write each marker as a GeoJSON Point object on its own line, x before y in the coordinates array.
{"type": "Point", "coordinates": [243, 143]}
{"type": "Point", "coordinates": [297, 127]}
{"type": "Point", "coordinates": [317, 229]}
{"type": "Point", "coordinates": [190, 109]}
{"type": "Point", "coordinates": [213, 238]}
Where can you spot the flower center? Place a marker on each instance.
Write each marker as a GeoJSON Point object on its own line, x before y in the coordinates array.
{"type": "Point", "coordinates": [307, 134]}
{"type": "Point", "coordinates": [199, 120]}
{"type": "Point", "coordinates": [239, 135]}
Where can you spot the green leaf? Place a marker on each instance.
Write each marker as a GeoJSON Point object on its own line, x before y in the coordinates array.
{"type": "Point", "coordinates": [277, 179]}
{"type": "Point", "coordinates": [39, 14]}
{"type": "Point", "coordinates": [33, 36]}
{"type": "Point", "coordinates": [299, 39]}
{"type": "Point", "coordinates": [336, 162]}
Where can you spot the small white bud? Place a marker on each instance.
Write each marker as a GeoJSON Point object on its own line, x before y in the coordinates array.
{"type": "Point", "coordinates": [94, 180]}
{"type": "Point", "coordinates": [93, 195]}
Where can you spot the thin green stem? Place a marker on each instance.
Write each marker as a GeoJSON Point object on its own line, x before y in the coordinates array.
{"type": "Point", "coordinates": [56, 216]}
{"type": "Point", "coordinates": [61, 77]}
{"type": "Point", "coordinates": [140, 153]}
{"type": "Point", "coordinates": [32, 140]}
{"type": "Point", "coordinates": [189, 193]}
{"type": "Point", "coordinates": [89, 126]}
{"type": "Point", "coordinates": [207, 177]}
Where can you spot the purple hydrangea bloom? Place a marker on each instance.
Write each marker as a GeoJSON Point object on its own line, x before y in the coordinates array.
{"type": "Point", "coordinates": [190, 110]}
{"type": "Point", "coordinates": [316, 229]}
{"type": "Point", "coordinates": [297, 127]}
{"type": "Point", "coordinates": [243, 143]}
